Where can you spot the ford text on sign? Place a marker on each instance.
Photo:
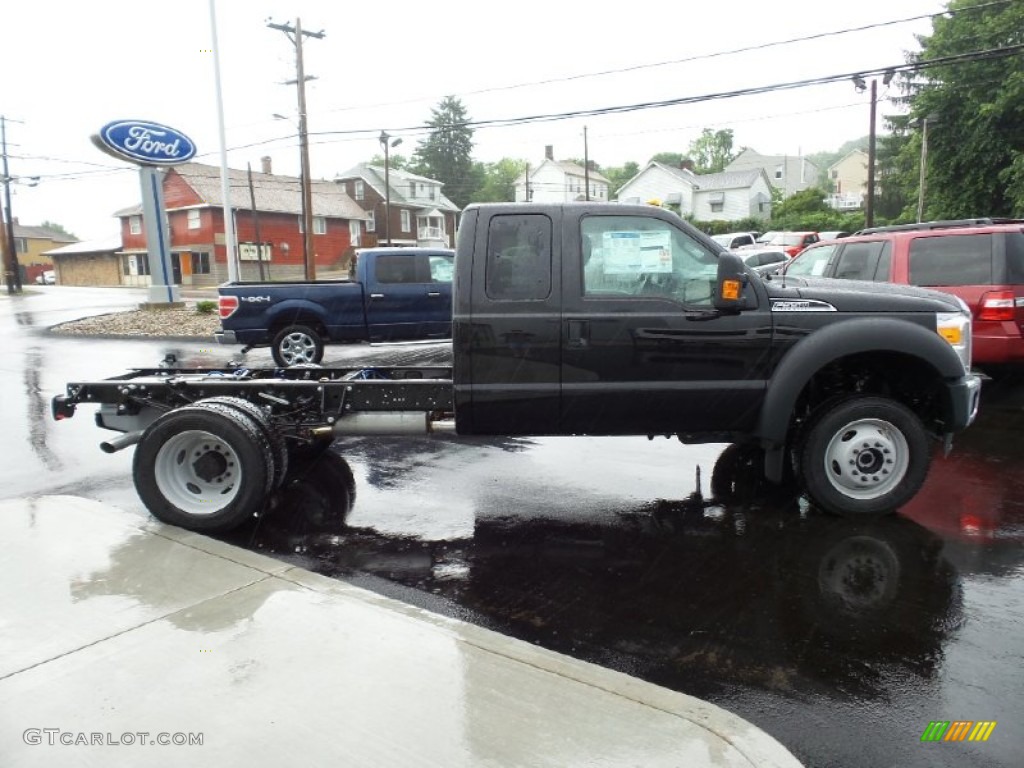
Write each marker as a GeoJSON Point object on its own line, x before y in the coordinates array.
{"type": "Point", "coordinates": [144, 142]}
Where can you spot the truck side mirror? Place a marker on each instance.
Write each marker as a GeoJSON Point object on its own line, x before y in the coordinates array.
{"type": "Point", "coordinates": [729, 283]}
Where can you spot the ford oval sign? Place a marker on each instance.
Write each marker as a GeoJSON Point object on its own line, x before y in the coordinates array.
{"type": "Point", "coordinates": [145, 143]}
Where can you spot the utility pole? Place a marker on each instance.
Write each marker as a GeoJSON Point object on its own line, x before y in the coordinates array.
{"type": "Point", "coordinates": [869, 207]}
{"type": "Point", "coordinates": [586, 165]}
{"type": "Point", "coordinates": [255, 222]}
{"type": "Point", "coordinates": [295, 34]}
{"type": "Point", "coordinates": [12, 272]}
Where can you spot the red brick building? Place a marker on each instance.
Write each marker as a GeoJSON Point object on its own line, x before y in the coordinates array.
{"type": "Point", "coordinates": [195, 220]}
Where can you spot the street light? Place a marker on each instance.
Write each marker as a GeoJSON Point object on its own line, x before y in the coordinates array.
{"type": "Point", "coordinates": [387, 144]}
{"type": "Point", "coordinates": [861, 86]}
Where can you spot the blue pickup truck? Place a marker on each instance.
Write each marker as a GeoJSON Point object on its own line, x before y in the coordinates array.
{"type": "Point", "coordinates": [392, 294]}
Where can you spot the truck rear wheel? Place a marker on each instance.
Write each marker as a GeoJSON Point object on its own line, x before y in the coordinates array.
{"type": "Point", "coordinates": [297, 344]}
{"type": "Point", "coordinates": [278, 448]}
{"type": "Point", "coordinates": [204, 468]}
{"type": "Point", "coordinates": [864, 455]}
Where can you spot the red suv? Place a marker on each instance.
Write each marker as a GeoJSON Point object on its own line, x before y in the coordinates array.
{"type": "Point", "coordinates": [979, 260]}
{"type": "Point", "coordinates": [791, 242]}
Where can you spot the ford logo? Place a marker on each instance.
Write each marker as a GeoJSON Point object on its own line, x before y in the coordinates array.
{"type": "Point", "coordinates": [145, 143]}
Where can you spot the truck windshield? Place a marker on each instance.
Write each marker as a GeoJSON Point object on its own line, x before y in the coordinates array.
{"type": "Point", "coordinates": [647, 257]}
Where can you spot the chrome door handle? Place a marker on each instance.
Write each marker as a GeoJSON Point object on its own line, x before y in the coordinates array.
{"type": "Point", "coordinates": [376, 295]}
{"type": "Point", "coordinates": [434, 293]}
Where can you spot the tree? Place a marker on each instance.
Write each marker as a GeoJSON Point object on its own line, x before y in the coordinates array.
{"type": "Point", "coordinates": [55, 227]}
{"type": "Point", "coordinates": [619, 176]}
{"type": "Point", "coordinates": [499, 181]}
{"type": "Point", "coordinates": [447, 153]}
{"type": "Point", "coordinates": [712, 150]}
{"type": "Point", "coordinates": [671, 159]}
{"type": "Point", "coordinates": [811, 200]}
{"type": "Point", "coordinates": [975, 111]}
{"type": "Point", "coordinates": [395, 162]}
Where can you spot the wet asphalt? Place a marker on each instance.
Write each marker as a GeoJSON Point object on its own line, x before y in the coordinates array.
{"type": "Point", "coordinates": [841, 638]}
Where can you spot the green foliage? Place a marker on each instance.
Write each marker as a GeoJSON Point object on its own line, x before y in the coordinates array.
{"type": "Point", "coordinates": [617, 177]}
{"type": "Point", "coordinates": [720, 227]}
{"type": "Point", "coordinates": [806, 201]}
{"type": "Point", "coordinates": [976, 139]}
{"type": "Point", "coordinates": [447, 152]}
{"type": "Point", "coordinates": [206, 307]}
{"type": "Point", "coordinates": [55, 227]}
{"type": "Point", "coordinates": [395, 162]}
{"type": "Point", "coordinates": [712, 150]}
{"type": "Point", "coordinates": [672, 159]}
{"type": "Point", "coordinates": [499, 181]}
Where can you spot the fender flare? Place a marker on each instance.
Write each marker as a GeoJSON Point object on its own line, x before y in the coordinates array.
{"type": "Point", "coordinates": [295, 311]}
{"type": "Point", "coordinates": [848, 337]}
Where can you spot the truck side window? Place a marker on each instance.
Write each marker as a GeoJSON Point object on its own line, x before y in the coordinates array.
{"type": "Point", "coordinates": [397, 268]}
{"type": "Point", "coordinates": [518, 257]}
{"type": "Point", "coordinates": [858, 261]}
{"type": "Point", "coordinates": [884, 264]}
{"type": "Point", "coordinates": [645, 257]}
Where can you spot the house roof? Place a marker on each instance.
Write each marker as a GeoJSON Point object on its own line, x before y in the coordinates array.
{"type": "Point", "coordinates": [41, 233]}
{"type": "Point", "coordinates": [566, 167]}
{"type": "Point", "coordinates": [273, 193]}
{"type": "Point", "coordinates": [102, 245]}
{"type": "Point", "coordinates": [374, 176]}
{"type": "Point", "coordinates": [847, 156]}
{"type": "Point", "coordinates": [726, 179]}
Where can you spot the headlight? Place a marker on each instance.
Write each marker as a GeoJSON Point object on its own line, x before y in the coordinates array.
{"type": "Point", "coordinates": [955, 327]}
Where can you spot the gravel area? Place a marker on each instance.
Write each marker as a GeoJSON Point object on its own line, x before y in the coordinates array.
{"type": "Point", "coordinates": [166, 323]}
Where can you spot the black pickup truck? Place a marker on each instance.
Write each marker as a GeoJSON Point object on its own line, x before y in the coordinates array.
{"type": "Point", "coordinates": [587, 319]}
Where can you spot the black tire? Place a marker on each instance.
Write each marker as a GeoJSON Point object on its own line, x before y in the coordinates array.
{"type": "Point", "coordinates": [864, 455]}
{"type": "Point", "coordinates": [204, 468]}
{"type": "Point", "coordinates": [278, 447]}
{"type": "Point", "coordinates": [738, 474]}
{"type": "Point", "coordinates": [318, 496]}
{"type": "Point", "coordinates": [297, 344]}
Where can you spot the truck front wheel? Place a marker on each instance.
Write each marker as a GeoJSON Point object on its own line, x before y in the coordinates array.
{"type": "Point", "coordinates": [204, 468]}
{"type": "Point", "coordinates": [864, 455]}
{"type": "Point", "coordinates": [297, 344]}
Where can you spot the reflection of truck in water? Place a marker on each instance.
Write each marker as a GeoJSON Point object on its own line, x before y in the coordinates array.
{"type": "Point", "coordinates": [837, 387]}
{"type": "Point", "coordinates": [392, 294]}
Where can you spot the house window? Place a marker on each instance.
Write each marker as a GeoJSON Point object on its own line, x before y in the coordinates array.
{"type": "Point", "coordinates": [412, 189]}
{"type": "Point", "coordinates": [302, 224]}
{"type": "Point", "coordinates": [432, 192]}
{"type": "Point", "coordinates": [200, 263]}
{"type": "Point", "coordinates": [360, 190]}
{"type": "Point", "coordinates": [21, 244]}
{"type": "Point", "coordinates": [193, 218]}
{"type": "Point", "coordinates": [371, 222]}
{"type": "Point", "coordinates": [778, 172]}
{"type": "Point", "coordinates": [319, 225]}
{"type": "Point", "coordinates": [353, 229]}
{"type": "Point", "coordinates": [135, 225]}
{"type": "Point", "coordinates": [717, 207]}
{"type": "Point", "coordinates": [406, 221]}
{"type": "Point", "coordinates": [835, 174]}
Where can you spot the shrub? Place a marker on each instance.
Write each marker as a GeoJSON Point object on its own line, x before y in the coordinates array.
{"type": "Point", "coordinates": [206, 307]}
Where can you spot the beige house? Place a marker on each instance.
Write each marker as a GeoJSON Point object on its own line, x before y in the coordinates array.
{"type": "Point", "coordinates": [849, 179]}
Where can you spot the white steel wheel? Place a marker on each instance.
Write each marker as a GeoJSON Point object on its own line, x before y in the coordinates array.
{"type": "Point", "coordinates": [204, 468]}
{"type": "Point", "coordinates": [198, 472]}
{"type": "Point", "coordinates": [864, 455]}
{"type": "Point", "coordinates": [867, 458]}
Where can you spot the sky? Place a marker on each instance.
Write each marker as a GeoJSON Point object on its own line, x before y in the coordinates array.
{"type": "Point", "coordinates": [69, 67]}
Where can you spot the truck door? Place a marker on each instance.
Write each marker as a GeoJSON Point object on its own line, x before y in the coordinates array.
{"type": "Point", "coordinates": [513, 332]}
{"type": "Point", "coordinates": [643, 350]}
{"type": "Point", "coordinates": [404, 300]}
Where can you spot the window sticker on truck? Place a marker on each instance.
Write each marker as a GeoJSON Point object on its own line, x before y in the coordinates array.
{"type": "Point", "coordinates": [632, 252]}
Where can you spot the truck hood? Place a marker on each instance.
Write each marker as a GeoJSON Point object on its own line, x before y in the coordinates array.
{"type": "Point", "coordinates": [860, 296]}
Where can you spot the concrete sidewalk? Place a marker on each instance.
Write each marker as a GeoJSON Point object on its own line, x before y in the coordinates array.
{"type": "Point", "coordinates": [118, 633]}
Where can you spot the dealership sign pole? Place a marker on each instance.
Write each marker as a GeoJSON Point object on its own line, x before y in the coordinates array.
{"type": "Point", "coordinates": [152, 147]}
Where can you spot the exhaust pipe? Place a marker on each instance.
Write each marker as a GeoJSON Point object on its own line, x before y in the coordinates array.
{"type": "Point", "coordinates": [115, 444]}
{"type": "Point", "coordinates": [391, 423]}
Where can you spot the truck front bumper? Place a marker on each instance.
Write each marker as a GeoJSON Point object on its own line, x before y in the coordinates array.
{"type": "Point", "coordinates": [225, 337]}
{"type": "Point", "coordinates": [965, 396]}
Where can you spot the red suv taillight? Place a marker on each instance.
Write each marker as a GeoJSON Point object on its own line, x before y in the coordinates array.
{"type": "Point", "coordinates": [997, 305]}
{"type": "Point", "coordinates": [226, 306]}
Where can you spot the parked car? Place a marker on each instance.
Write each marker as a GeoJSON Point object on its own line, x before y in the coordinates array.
{"type": "Point", "coordinates": [46, 277]}
{"type": "Point", "coordinates": [834, 234]}
{"type": "Point", "coordinates": [792, 242]}
{"type": "Point", "coordinates": [764, 261]}
{"type": "Point", "coordinates": [981, 263]}
{"type": "Point", "coordinates": [734, 240]}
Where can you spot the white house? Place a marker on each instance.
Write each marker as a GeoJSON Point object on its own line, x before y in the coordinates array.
{"type": "Point", "coordinates": [711, 196]}
{"type": "Point", "coordinates": [788, 173]}
{"type": "Point", "coordinates": [559, 182]}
